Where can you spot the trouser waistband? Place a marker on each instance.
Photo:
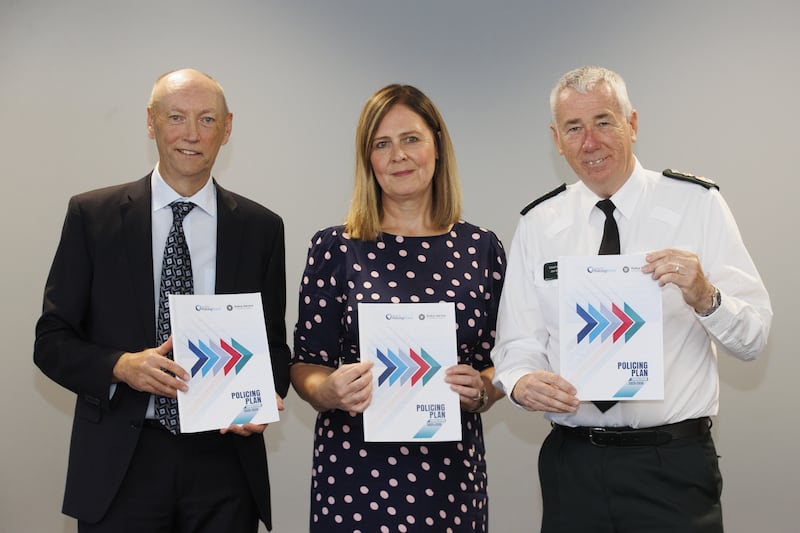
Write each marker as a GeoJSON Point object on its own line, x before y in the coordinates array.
{"type": "Point", "coordinates": [625, 436]}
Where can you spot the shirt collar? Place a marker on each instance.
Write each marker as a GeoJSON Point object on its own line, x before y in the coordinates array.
{"type": "Point", "coordinates": [625, 199]}
{"type": "Point", "coordinates": [163, 194]}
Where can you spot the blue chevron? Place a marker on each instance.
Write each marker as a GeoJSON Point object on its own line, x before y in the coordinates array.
{"type": "Point", "coordinates": [222, 356]}
{"type": "Point", "coordinates": [246, 354]}
{"type": "Point", "coordinates": [590, 322]}
{"type": "Point", "coordinates": [212, 357]}
{"type": "Point", "coordinates": [613, 322]}
{"type": "Point", "coordinates": [399, 365]}
{"type": "Point", "coordinates": [201, 358]}
{"type": "Point", "coordinates": [435, 366]}
{"type": "Point", "coordinates": [638, 322]}
{"type": "Point", "coordinates": [602, 323]}
{"type": "Point", "coordinates": [389, 368]}
{"type": "Point", "coordinates": [412, 367]}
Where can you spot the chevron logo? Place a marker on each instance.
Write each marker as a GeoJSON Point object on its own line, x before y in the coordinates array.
{"type": "Point", "coordinates": [215, 357]}
{"type": "Point", "coordinates": [414, 366]}
{"type": "Point", "coordinates": [616, 323]}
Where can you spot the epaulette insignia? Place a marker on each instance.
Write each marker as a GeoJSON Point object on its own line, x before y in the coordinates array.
{"type": "Point", "coordinates": [683, 176]}
{"type": "Point", "coordinates": [558, 190]}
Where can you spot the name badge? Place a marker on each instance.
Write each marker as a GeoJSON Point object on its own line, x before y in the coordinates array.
{"type": "Point", "coordinates": [551, 271]}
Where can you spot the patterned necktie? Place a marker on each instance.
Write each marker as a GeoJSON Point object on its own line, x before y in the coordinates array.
{"type": "Point", "coordinates": [609, 245]}
{"type": "Point", "coordinates": [176, 278]}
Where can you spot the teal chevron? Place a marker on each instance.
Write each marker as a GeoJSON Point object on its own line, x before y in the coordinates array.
{"type": "Point", "coordinates": [638, 322]}
{"type": "Point", "coordinates": [435, 366]}
{"type": "Point", "coordinates": [246, 354]}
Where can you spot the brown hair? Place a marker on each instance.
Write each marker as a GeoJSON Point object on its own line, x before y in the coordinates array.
{"type": "Point", "coordinates": [364, 218]}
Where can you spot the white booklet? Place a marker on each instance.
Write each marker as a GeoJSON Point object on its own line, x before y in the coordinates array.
{"type": "Point", "coordinates": [221, 341]}
{"type": "Point", "coordinates": [611, 328]}
{"type": "Point", "coordinates": [412, 345]}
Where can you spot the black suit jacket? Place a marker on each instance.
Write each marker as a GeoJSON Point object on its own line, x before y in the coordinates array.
{"type": "Point", "coordinates": [99, 303]}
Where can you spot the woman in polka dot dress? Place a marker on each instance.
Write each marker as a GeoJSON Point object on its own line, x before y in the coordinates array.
{"type": "Point", "coordinates": [403, 241]}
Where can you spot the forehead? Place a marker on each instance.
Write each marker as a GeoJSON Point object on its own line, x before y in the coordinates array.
{"type": "Point", "coordinates": [191, 94]}
{"type": "Point", "coordinates": [401, 118]}
{"type": "Point", "coordinates": [573, 106]}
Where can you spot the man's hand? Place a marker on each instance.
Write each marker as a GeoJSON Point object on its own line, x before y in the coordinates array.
{"type": "Point", "coordinates": [545, 391]}
{"type": "Point", "coordinates": [152, 371]}
{"type": "Point", "coordinates": [682, 269]}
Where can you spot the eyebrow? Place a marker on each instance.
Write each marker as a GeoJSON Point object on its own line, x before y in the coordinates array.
{"type": "Point", "coordinates": [401, 134]}
{"type": "Point", "coordinates": [578, 121]}
{"type": "Point", "coordinates": [184, 111]}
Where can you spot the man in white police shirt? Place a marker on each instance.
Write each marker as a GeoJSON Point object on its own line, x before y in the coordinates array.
{"type": "Point", "coordinates": [640, 465]}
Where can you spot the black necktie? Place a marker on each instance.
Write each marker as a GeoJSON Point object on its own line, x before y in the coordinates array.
{"type": "Point", "coordinates": [176, 278]}
{"type": "Point", "coordinates": [609, 245]}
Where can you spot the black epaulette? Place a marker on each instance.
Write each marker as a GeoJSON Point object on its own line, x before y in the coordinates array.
{"type": "Point", "coordinates": [561, 188]}
{"type": "Point", "coordinates": [691, 178]}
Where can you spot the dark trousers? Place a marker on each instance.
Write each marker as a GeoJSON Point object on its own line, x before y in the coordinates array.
{"type": "Point", "coordinates": [190, 483]}
{"type": "Point", "coordinates": [670, 488]}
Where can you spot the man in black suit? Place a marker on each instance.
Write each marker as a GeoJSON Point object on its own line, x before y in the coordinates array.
{"type": "Point", "coordinates": [97, 333]}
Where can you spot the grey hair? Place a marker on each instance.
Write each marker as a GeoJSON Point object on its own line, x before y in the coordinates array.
{"type": "Point", "coordinates": [584, 79]}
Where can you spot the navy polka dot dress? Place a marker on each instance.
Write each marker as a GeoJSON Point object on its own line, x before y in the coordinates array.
{"type": "Point", "coordinates": [397, 487]}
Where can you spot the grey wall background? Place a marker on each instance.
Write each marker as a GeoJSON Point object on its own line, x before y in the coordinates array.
{"type": "Point", "coordinates": [715, 85]}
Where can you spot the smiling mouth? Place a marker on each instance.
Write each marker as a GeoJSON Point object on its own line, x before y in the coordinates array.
{"type": "Point", "coordinates": [188, 152]}
{"type": "Point", "coordinates": [596, 161]}
{"type": "Point", "coordinates": [401, 173]}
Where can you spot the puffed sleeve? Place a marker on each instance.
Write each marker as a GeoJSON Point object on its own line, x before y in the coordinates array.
{"type": "Point", "coordinates": [319, 328]}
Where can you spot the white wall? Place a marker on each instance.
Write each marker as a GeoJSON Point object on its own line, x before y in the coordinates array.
{"type": "Point", "coordinates": [715, 84]}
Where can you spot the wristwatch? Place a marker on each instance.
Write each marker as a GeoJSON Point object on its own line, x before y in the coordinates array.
{"type": "Point", "coordinates": [716, 300]}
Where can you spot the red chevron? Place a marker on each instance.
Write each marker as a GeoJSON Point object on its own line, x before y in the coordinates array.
{"type": "Point", "coordinates": [626, 322]}
{"type": "Point", "coordinates": [235, 356]}
{"type": "Point", "coordinates": [423, 367]}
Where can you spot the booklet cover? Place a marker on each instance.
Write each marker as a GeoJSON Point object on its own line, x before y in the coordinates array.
{"type": "Point", "coordinates": [412, 345]}
{"type": "Point", "coordinates": [221, 341]}
{"type": "Point", "coordinates": [611, 329]}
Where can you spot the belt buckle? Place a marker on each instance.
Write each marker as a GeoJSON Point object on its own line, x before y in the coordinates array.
{"type": "Point", "coordinates": [602, 438]}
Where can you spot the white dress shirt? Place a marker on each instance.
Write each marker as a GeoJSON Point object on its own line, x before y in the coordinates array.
{"type": "Point", "coordinates": [200, 229]}
{"type": "Point", "coordinates": [653, 212]}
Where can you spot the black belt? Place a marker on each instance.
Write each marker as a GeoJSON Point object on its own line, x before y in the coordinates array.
{"type": "Point", "coordinates": [625, 436]}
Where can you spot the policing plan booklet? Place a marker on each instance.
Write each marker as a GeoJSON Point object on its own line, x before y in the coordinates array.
{"type": "Point", "coordinates": [412, 345]}
{"type": "Point", "coordinates": [221, 341]}
{"type": "Point", "coordinates": [611, 329]}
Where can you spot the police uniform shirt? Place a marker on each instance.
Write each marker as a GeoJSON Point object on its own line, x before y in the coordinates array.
{"type": "Point", "coordinates": [653, 212]}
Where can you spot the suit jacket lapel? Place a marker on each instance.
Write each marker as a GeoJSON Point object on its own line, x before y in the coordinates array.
{"type": "Point", "coordinates": [135, 210]}
{"type": "Point", "coordinates": [229, 239]}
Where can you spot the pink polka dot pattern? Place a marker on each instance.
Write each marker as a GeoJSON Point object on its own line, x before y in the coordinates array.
{"type": "Point", "coordinates": [372, 487]}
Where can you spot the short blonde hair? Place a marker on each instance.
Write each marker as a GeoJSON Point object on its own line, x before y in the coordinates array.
{"type": "Point", "coordinates": [364, 218]}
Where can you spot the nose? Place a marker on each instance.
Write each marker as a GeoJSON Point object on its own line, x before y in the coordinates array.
{"type": "Point", "coordinates": [589, 141]}
{"type": "Point", "coordinates": [398, 154]}
{"type": "Point", "coordinates": [191, 130]}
